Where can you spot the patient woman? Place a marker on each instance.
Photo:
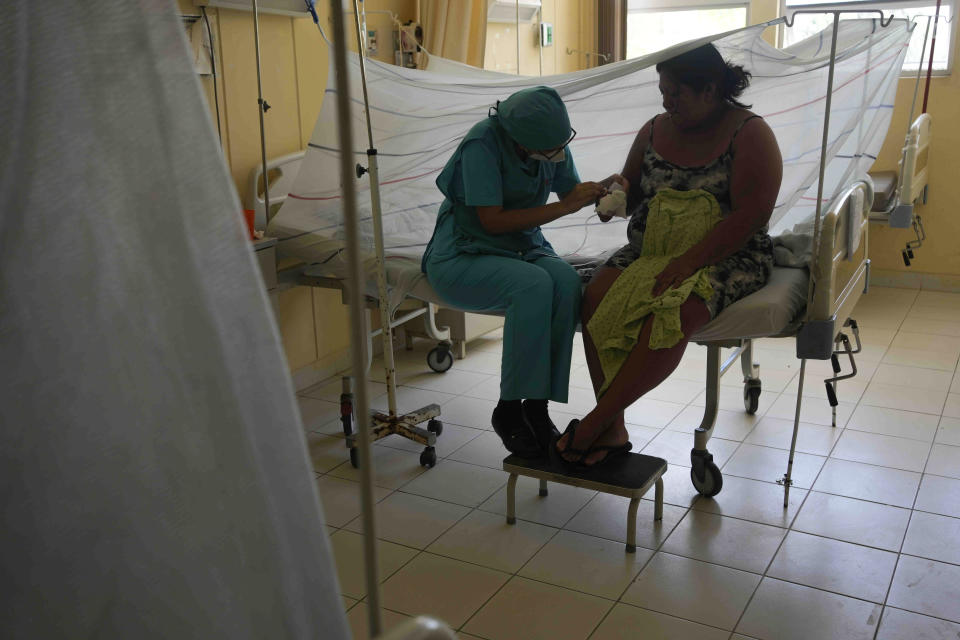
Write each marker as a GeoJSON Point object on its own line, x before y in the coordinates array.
{"type": "Point", "coordinates": [488, 254]}
{"type": "Point", "coordinates": [703, 179]}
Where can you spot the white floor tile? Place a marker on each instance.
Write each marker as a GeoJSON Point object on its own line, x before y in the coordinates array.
{"type": "Point", "coordinates": [949, 432]}
{"type": "Point", "coordinates": [731, 399]}
{"type": "Point", "coordinates": [651, 413]}
{"type": "Point", "coordinates": [933, 536]}
{"type": "Point", "coordinates": [331, 389]}
{"type": "Point", "coordinates": [586, 563]}
{"type": "Point", "coordinates": [454, 381]}
{"type": "Point", "coordinates": [773, 379]}
{"type": "Point", "coordinates": [410, 399]}
{"type": "Point", "coordinates": [468, 412]}
{"type": "Point", "coordinates": [913, 377]}
{"type": "Point", "coordinates": [939, 495]}
{"type": "Point", "coordinates": [753, 500]}
{"type": "Point", "coordinates": [785, 611]}
{"type": "Point", "coordinates": [340, 499]}
{"type": "Point", "coordinates": [926, 342]}
{"type": "Point", "coordinates": [725, 541]}
{"type": "Point", "coordinates": [317, 413]}
{"type": "Point", "coordinates": [678, 487]}
{"type": "Point", "coordinates": [625, 621]}
{"type": "Point", "coordinates": [486, 539]}
{"type": "Point", "coordinates": [897, 625]}
{"type": "Point", "coordinates": [674, 447]}
{"type": "Point", "coordinates": [553, 510]}
{"type": "Point", "coordinates": [393, 468]}
{"type": "Point", "coordinates": [677, 391]}
{"type": "Point", "coordinates": [480, 362]}
{"type": "Point", "coordinates": [811, 438]}
{"type": "Point", "coordinates": [952, 407]}
{"type": "Point", "coordinates": [529, 610]}
{"type": "Point", "coordinates": [849, 391]}
{"type": "Point", "coordinates": [857, 521]}
{"type": "Point", "coordinates": [927, 587]}
{"type": "Point", "coordinates": [698, 591]}
{"type": "Point", "coordinates": [606, 517]}
{"type": "Point", "coordinates": [448, 589]}
{"type": "Point", "coordinates": [457, 482]}
{"type": "Point", "coordinates": [347, 548]}
{"type": "Point", "coordinates": [812, 411]}
{"type": "Point", "coordinates": [641, 436]}
{"type": "Point", "coordinates": [884, 451]}
{"type": "Point", "coordinates": [921, 324]}
{"type": "Point", "coordinates": [579, 401]}
{"type": "Point", "coordinates": [894, 396]}
{"type": "Point", "coordinates": [486, 451]}
{"type": "Point", "coordinates": [945, 361]}
{"type": "Point", "coordinates": [412, 520]}
{"type": "Point", "coordinates": [955, 385]}
{"type": "Point", "coordinates": [868, 482]}
{"type": "Point", "coordinates": [488, 390]}
{"type": "Point", "coordinates": [730, 425]}
{"type": "Point", "coordinates": [944, 461]}
{"type": "Point", "coordinates": [326, 452]}
{"type": "Point", "coordinates": [769, 465]}
{"type": "Point", "coordinates": [831, 565]}
{"type": "Point", "coordinates": [894, 422]}
{"type": "Point", "coordinates": [358, 618]}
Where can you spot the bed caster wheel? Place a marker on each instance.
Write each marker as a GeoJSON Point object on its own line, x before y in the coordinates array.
{"type": "Point", "coordinates": [435, 427]}
{"type": "Point", "coordinates": [711, 482]}
{"type": "Point", "coordinates": [428, 457]}
{"type": "Point", "coordinates": [354, 458]}
{"type": "Point", "coordinates": [440, 359]}
{"type": "Point", "coordinates": [751, 397]}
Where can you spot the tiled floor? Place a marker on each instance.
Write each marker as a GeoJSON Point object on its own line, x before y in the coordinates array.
{"type": "Point", "coordinates": [869, 546]}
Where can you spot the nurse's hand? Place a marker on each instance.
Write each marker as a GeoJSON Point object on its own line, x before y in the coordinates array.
{"type": "Point", "coordinates": [619, 179]}
{"type": "Point", "coordinates": [581, 195]}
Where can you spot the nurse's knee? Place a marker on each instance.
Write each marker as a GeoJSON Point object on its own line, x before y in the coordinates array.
{"type": "Point", "coordinates": [567, 284]}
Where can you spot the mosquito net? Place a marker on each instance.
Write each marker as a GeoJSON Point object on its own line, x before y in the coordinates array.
{"type": "Point", "coordinates": [419, 117]}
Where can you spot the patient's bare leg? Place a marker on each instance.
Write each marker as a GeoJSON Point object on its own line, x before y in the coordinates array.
{"type": "Point", "coordinates": [643, 370]}
{"type": "Point", "coordinates": [601, 282]}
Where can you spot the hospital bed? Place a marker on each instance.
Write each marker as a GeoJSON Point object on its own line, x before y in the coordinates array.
{"type": "Point", "coordinates": [778, 310]}
{"type": "Point", "coordinates": [898, 192]}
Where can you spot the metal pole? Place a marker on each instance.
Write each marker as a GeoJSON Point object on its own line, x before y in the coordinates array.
{"type": "Point", "coordinates": [518, 37]}
{"type": "Point", "coordinates": [788, 478]}
{"type": "Point", "coordinates": [262, 107]}
{"type": "Point", "coordinates": [916, 85]}
{"type": "Point", "coordinates": [540, 36]}
{"type": "Point", "coordinates": [376, 214]}
{"type": "Point", "coordinates": [933, 45]}
{"type": "Point", "coordinates": [823, 152]}
{"type": "Point", "coordinates": [358, 338]}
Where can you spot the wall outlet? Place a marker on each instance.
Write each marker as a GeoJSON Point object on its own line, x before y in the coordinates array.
{"type": "Point", "coordinates": [546, 34]}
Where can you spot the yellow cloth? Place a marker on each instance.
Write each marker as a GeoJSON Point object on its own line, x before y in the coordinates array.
{"type": "Point", "coordinates": [676, 221]}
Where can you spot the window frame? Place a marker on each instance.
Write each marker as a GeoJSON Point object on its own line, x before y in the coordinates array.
{"type": "Point", "coordinates": [667, 6]}
{"type": "Point", "coordinates": [871, 5]}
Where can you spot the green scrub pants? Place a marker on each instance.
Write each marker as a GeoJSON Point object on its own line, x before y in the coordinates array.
{"type": "Point", "coordinates": [541, 301]}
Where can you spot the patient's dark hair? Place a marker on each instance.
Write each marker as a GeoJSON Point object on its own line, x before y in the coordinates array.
{"type": "Point", "coordinates": [703, 65]}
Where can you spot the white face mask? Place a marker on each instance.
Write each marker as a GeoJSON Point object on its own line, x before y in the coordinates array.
{"type": "Point", "coordinates": [557, 157]}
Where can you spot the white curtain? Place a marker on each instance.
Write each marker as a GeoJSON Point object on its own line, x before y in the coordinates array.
{"type": "Point", "coordinates": [154, 481]}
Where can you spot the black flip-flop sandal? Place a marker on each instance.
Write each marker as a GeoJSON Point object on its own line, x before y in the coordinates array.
{"type": "Point", "coordinates": [556, 456]}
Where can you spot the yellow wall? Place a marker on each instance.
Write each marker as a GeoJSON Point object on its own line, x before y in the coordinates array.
{"type": "Point", "coordinates": [574, 27]}
{"type": "Point", "coordinates": [294, 63]}
{"type": "Point", "coordinates": [941, 215]}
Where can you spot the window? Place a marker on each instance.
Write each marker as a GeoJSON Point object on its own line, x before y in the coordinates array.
{"type": "Point", "coordinates": [807, 25]}
{"type": "Point", "coordinates": [653, 25]}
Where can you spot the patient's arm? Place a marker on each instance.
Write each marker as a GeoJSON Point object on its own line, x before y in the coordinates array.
{"type": "Point", "coordinates": [633, 167]}
{"type": "Point", "coordinates": [754, 185]}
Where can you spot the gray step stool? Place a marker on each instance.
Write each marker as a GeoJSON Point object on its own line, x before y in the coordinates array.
{"type": "Point", "coordinates": [630, 475]}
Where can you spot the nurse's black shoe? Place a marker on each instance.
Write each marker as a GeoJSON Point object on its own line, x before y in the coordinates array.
{"type": "Point", "coordinates": [515, 431]}
{"type": "Point", "coordinates": [535, 411]}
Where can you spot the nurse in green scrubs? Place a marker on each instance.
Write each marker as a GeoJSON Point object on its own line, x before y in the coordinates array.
{"type": "Point", "coordinates": [488, 253]}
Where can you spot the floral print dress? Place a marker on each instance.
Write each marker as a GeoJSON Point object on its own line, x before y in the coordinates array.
{"type": "Point", "coordinates": [734, 277]}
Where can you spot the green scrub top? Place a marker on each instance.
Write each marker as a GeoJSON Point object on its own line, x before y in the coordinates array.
{"type": "Point", "coordinates": [486, 170]}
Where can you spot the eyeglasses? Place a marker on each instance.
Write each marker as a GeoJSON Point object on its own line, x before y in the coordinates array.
{"type": "Point", "coordinates": [550, 155]}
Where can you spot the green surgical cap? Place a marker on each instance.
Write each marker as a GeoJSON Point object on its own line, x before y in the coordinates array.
{"type": "Point", "coordinates": [536, 118]}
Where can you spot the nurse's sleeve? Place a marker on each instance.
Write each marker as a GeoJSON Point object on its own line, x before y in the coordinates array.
{"type": "Point", "coordinates": [480, 171]}
{"type": "Point", "coordinates": [566, 176]}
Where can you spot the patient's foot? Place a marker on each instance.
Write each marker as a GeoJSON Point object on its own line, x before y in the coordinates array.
{"type": "Point", "coordinates": [586, 438]}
